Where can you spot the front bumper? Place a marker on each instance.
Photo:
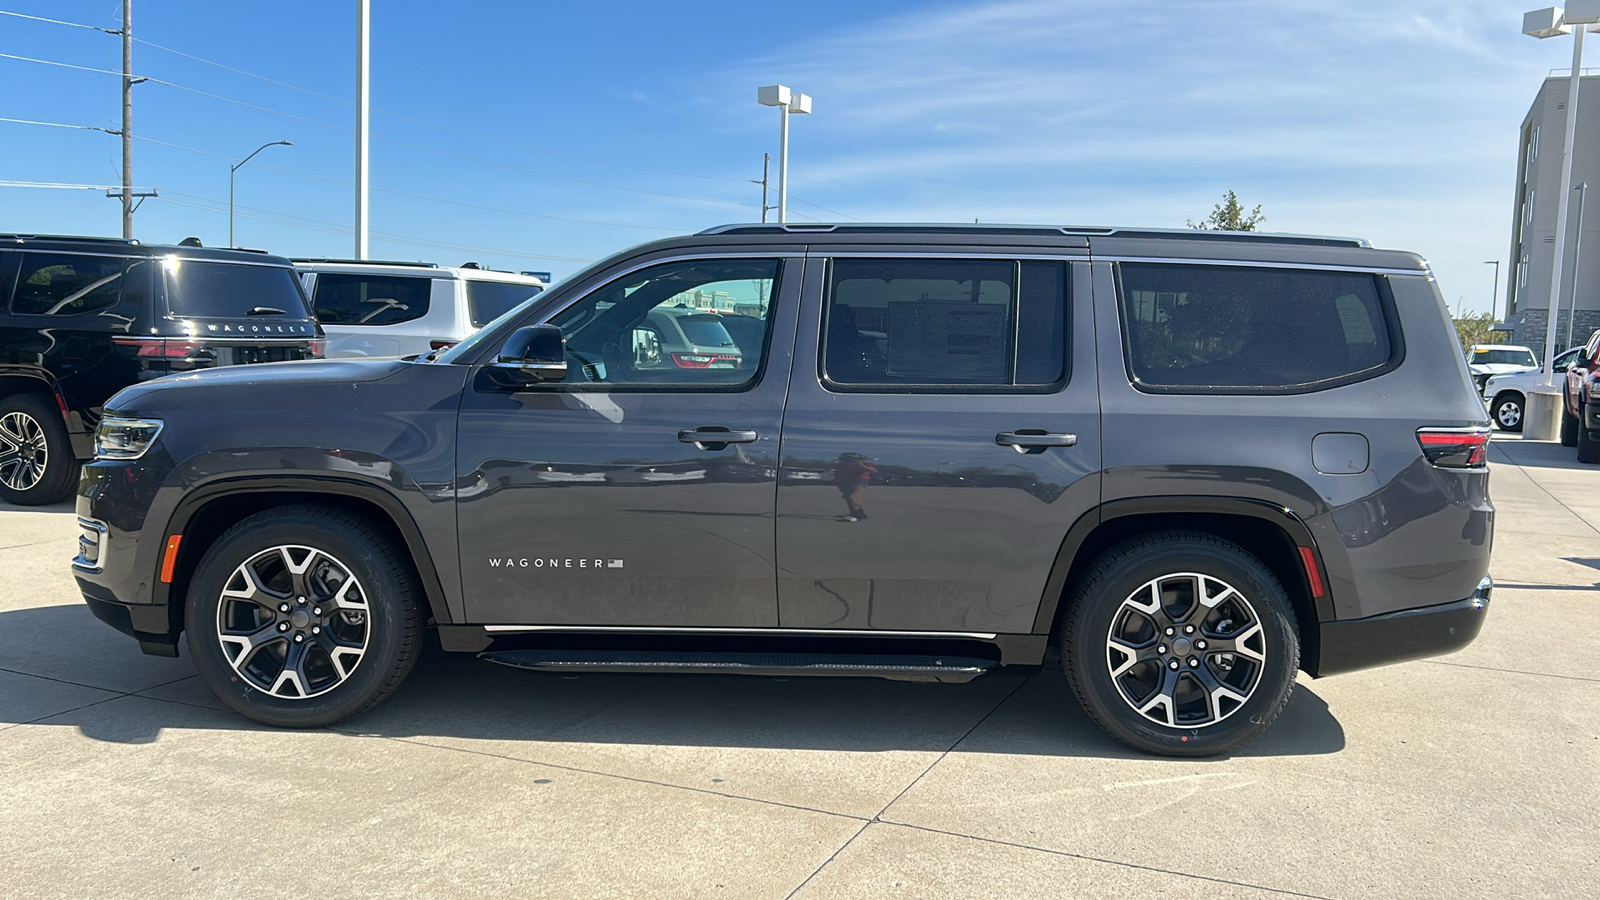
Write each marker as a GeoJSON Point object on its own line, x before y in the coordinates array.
{"type": "Point", "coordinates": [1400, 636]}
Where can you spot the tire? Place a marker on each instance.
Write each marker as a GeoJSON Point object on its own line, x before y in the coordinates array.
{"type": "Point", "coordinates": [1113, 605]}
{"type": "Point", "coordinates": [1588, 445]}
{"type": "Point", "coordinates": [1569, 425]}
{"type": "Point", "coordinates": [1506, 410]}
{"type": "Point", "coordinates": [37, 465]}
{"type": "Point", "coordinates": [359, 640]}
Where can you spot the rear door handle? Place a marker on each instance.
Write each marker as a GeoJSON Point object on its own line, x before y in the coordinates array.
{"type": "Point", "coordinates": [715, 438]}
{"type": "Point", "coordinates": [1030, 440]}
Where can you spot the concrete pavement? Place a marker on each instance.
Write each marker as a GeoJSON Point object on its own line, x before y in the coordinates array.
{"type": "Point", "coordinates": [1473, 775]}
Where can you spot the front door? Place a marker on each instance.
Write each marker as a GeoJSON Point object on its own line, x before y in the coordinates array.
{"type": "Point", "coordinates": [938, 443]}
{"type": "Point", "coordinates": [639, 491]}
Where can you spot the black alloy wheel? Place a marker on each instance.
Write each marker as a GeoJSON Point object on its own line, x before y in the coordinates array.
{"type": "Point", "coordinates": [1181, 644]}
{"type": "Point", "coordinates": [1507, 410]}
{"type": "Point", "coordinates": [37, 465]}
{"type": "Point", "coordinates": [303, 616]}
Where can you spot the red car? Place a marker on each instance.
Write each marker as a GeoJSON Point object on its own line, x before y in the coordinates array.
{"type": "Point", "coordinates": [1580, 401]}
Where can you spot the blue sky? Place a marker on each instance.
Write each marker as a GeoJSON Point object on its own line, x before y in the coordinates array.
{"type": "Point", "coordinates": [572, 130]}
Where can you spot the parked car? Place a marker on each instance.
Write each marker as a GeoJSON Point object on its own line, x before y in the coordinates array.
{"type": "Point", "coordinates": [1580, 403]}
{"type": "Point", "coordinates": [1485, 360]}
{"type": "Point", "coordinates": [84, 317]}
{"type": "Point", "coordinates": [371, 308]}
{"type": "Point", "coordinates": [1118, 443]}
{"type": "Point", "coordinates": [679, 338]}
{"type": "Point", "coordinates": [1507, 395]}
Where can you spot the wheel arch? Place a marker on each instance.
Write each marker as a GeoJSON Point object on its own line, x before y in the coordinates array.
{"type": "Point", "coordinates": [209, 511]}
{"type": "Point", "coordinates": [1271, 533]}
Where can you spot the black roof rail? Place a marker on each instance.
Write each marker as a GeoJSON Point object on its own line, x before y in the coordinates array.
{"type": "Point", "coordinates": [1040, 230]}
{"type": "Point", "coordinates": [362, 262]}
{"type": "Point", "coordinates": [68, 237]}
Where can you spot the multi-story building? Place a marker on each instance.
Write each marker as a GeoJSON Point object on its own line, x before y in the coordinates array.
{"type": "Point", "coordinates": [1533, 222]}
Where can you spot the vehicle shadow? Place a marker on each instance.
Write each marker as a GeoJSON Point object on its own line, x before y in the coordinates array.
{"type": "Point", "coordinates": [452, 695]}
{"type": "Point", "coordinates": [68, 506]}
{"type": "Point", "coordinates": [1540, 455]}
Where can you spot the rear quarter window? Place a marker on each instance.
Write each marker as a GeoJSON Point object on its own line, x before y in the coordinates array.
{"type": "Point", "coordinates": [1241, 329]}
{"type": "Point", "coordinates": [489, 300]}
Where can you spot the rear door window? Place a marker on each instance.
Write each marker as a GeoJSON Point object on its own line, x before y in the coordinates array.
{"type": "Point", "coordinates": [934, 325]}
{"type": "Point", "coordinates": [215, 290]}
{"type": "Point", "coordinates": [1239, 329]}
{"type": "Point", "coordinates": [66, 284]}
{"type": "Point", "coordinates": [341, 299]}
{"type": "Point", "coordinates": [489, 300]}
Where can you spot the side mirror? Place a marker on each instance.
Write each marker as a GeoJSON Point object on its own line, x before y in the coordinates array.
{"type": "Point", "coordinates": [532, 355]}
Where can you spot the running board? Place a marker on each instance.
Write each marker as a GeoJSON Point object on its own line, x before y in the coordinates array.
{"type": "Point", "coordinates": [949, 669]}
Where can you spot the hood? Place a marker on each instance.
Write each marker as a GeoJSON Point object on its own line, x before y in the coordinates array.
{"type": "Point", "coordinates": [327, 383]}
{"type": "Point", "coordinates": [1499, 368]}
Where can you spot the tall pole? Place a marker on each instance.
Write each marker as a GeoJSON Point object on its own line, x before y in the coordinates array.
{"type": "Point", "coordinates": [766, 166]}
{"type": "Point", "coordinates": [127, 119]}
{"type": "Point", "coordinates": [783, 164]}
{"type": "Point", "coordinates": [234, 170]}
{"type": "Point", "coordinates": [363, 11]}
{"type": "Point", "coordinates": [1561, 210]}
{"type": "Point", "coordinates": [1577, 248]}
{"type": "Point", "coordinates": [1494, 293]}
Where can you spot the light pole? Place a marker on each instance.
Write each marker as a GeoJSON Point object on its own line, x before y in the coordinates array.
{"type": "Point", "coordinates": [1577, 248]}
{"type": "Point", "coordinates": [788, 102]}
{"type": "Point", "coordinates": [235, 168]}
{"type": "Point", "coordinates": [1494, 294]}
{"type": "Point", "coordinates": [1546, 23]}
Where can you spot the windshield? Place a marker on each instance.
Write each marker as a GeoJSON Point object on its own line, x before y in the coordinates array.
{"type": "Point", "coordinates": [489, 300]}
{"type": "Point", "coordinates": [216, 290]}
{"type": "Point", "coordinates": [1518, 357]}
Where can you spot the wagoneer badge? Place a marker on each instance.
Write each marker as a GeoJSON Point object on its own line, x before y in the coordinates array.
{"type": "Point", "coordinates": [543, 562]}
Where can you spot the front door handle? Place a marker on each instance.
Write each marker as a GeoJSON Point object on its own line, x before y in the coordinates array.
{"type": "Point", "coordinates": [1030, 440]}
{"type": "Point", "coordinates": [715, 438]}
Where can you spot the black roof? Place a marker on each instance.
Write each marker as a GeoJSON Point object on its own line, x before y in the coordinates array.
{"type": "Point", "coordinates": [130, 247]}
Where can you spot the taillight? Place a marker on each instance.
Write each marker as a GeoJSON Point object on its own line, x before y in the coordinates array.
{"type": "Point", "coordinates": [158, 348]}
{"type": "Point", "coordinates": [440, 345]}
{"type": "Point", "coordinates": [1455, 448]}
{"type": "Point", "coordinates": [316, 347]}
{"type": "Point", "coordinates": [702, 360]}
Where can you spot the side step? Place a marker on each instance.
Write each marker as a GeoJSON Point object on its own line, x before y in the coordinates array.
{"type": "Point", "coordinates": [949, 669]}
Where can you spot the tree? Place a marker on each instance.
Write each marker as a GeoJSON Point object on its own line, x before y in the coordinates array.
{"type": "Point", "coordinates": [1473, 328]}
{"type": "Point", "coordinates": [1229, 216]}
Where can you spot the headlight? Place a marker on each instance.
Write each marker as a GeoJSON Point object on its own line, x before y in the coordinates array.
{"type": "Point", "coordinates": [118, 438]}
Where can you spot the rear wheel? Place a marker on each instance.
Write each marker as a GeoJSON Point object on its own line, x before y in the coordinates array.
{"type": "Point", "coordinates": [37, 465]}
{"type": "Point", "coordinates": [303, 616]}
{"type": "Point", "coordinates": [1507, 411]}
{"type": "Point", "coordinates": [1180, 643]}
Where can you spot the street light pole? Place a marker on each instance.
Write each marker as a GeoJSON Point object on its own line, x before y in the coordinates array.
{"type": "Point", "coordinates": [1544, 23]}
{"type": "Point", "coordinates": [235, 168]}
{"type": "Point", "coordinates": [787, 102]}
{"type": "Point", "coordinates": [363, 21]}
{"type": "Point", "coordinates": [1577, 248]}
{"type": "Point", "coordinates": [1494, 294]}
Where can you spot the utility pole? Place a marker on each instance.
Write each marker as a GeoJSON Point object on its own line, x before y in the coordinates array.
{"type": "Point", "coordinates": [766, 166]}
{"type": "Point", "coordinates": [363, 17]}
{"type": "Point", "coordinates": [127, 119]}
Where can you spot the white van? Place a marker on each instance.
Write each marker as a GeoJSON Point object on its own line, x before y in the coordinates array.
{"type": "Point", "coordinates": [372, 308]}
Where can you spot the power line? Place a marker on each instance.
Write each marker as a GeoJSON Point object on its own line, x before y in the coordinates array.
{"type": "Point", "coordinates": [57, 22]}
{"type": "Point", "coordinates": [61, 185]}
{"type": "Point", "coordinates": [48, 62]}
{"type": "Point", "coordinates": [58, 125]}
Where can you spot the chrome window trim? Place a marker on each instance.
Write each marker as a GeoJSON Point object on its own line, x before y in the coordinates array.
{"type": "Point", "coordinates": [629, 629]}
{"type": "Point", "coordinates": [1265, 264]}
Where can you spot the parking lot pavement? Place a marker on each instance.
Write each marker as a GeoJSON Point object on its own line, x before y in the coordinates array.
{"type": "Point", "coordinates": [1472, 775]}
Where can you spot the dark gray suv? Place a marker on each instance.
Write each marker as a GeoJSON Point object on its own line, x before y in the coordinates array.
{"type": "Point", "coordinates": [1195, 463]}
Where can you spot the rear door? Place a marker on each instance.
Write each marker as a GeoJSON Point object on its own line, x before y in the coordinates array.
{"type": "Point", "coordinates": [941, 436]}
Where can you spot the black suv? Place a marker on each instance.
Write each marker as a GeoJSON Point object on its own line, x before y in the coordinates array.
{"type": "Point", "coordinates": [83, 318]}
{"type": "Point", "coordinates": [1194, 463]}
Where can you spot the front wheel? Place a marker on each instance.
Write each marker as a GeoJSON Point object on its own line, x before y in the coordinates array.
{"type": "Point", "coordinates": [1181, 644]}
{"type": "Point", "coordinates": [1507, 411]}
{"type": "Point", "coordinates": [1569, 425]}
{"type": "Point", "coordinates": [302, 616]}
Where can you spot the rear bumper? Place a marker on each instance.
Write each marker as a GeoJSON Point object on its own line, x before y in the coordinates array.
{"type": "Point", "coordinates": [1397, 637]}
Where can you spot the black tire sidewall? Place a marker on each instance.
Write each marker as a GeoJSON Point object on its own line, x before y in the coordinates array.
{"type": "Point", "coordinates": [391, 614]}
{"type": "Point", "coordinates": [1084, 652]}
{"type": "Point", "coordinates": [61, 468]}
